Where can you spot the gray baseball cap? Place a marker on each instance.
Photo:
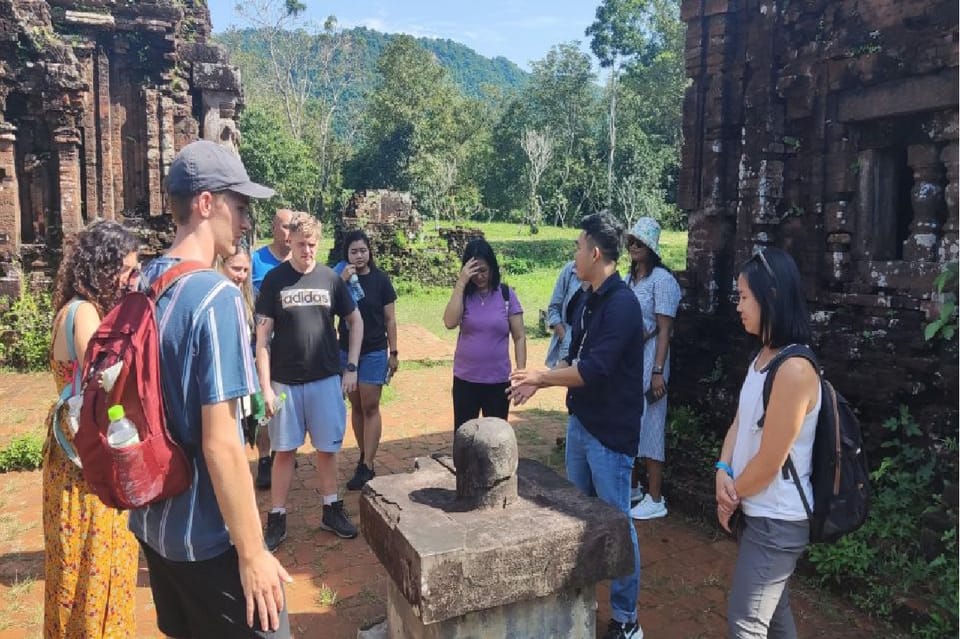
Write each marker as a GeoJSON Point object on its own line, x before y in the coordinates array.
{"type": "Point", "coordinates": [207, 166]}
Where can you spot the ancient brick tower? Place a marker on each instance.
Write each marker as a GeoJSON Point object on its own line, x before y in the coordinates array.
{"type": "Point", "coordinates": [96, 97]}
{"type": "Point", "coordinates": [828, 128]}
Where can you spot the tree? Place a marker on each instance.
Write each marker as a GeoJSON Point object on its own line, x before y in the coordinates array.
{"type": "Point", "coordinates": [290, 53]}
{"type": "Point", "coordinates": [611, 41]}
{"type": "Point", "coordinates": [641, 42]}
{"type": "Point", "coordinates": [539, 149]}
{"type": "Point", "coordinates": [416, 127]}
{"type": "Point", "coordinates": [272, 156]}
{"type": "Point", "coordinates": [562, 103]}
{"type": "Point", "coordinates": [302, 70]}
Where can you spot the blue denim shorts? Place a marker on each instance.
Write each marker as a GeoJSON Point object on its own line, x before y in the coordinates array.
{"type": "Point", "coordinates": [372, 368]}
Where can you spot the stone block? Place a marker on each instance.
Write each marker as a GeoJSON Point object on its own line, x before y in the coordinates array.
{"type": "Point", "coordinates": [837, 218]}
{"type": "Point", "coordinates": [217, 77]}
{"type": "Point", "coordinates": [899, 274]}
{"type": "Point", "coordinates": [568, 614]}
{"type": "Point", "coordinates": [900, 97]}
{"type": "Point", "coordinates": [447, 562]}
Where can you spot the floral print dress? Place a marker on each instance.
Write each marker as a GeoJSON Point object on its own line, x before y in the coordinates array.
{"type": "Point", "coordinates": [90, 565]}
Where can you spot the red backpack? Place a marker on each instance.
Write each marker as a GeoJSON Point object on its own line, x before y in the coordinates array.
{"type": "Point", "coordinates": [156, 468]}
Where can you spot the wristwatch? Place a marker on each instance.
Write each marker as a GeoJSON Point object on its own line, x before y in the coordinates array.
{"type": "Point", "coordinates": [351, 367]}
{"type": "Point", "coordinates": [394, 353]}
{"type": "Point", "coordinates": [658, 370]}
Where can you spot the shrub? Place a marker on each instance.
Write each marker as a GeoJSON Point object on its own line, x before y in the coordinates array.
{"type": "Point", "coordinates": [25, 331]}
{"type": "Point", "coordinates": [883, 565]}
{"type": "Point", "coordinates": [22, 453]}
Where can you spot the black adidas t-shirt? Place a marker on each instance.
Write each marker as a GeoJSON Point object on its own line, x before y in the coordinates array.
{"type": "Point", "coordinates": [377, 293]}
{"type": "Point", "coordinates": [302, 305]}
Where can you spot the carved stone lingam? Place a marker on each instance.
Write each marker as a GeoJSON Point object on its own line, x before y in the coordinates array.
{"type": "Point", "coordinates": [486, 545]}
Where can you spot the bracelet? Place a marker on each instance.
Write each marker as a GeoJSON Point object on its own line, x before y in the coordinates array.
{"type": "Point", "coordinates": [658, 370]}
{"type": "Point", "coordinates": [725, 467]}
{"type": "Point", "coordinates": [394, 353]}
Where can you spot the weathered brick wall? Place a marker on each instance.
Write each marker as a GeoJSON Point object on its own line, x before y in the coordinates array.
{"type": "Point", "coordinates": [828, 128]}
{"type": "Point", "coordinates": [96, 98]}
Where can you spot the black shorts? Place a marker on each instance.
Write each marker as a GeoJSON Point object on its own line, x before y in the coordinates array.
{"type": "Point", "coordinates": [203, 599]}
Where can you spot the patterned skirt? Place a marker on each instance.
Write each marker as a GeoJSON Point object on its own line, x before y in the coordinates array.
{"type": "Point", "coordinates": [90, 567]}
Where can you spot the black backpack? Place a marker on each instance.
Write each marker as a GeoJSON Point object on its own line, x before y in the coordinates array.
{"type": "Point", "coordinates": [839, 471]}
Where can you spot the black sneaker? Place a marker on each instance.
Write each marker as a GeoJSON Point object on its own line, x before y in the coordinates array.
{"type": "Point", "coordinates": [276, 530]}
{"type": "Point", "coordinates": [336, 520]}
{"type": "Point", "coordinates": [617, 630]}
{"type": "Point", "coordinates": [264, 469]}
{"type": "Point", "coordinates": [361, 475]}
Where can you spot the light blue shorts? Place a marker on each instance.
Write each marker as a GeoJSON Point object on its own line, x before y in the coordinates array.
{"type": "Point", "coordinates": [316, 407]}
{"type": "Point", "coordinates": [372, 368]}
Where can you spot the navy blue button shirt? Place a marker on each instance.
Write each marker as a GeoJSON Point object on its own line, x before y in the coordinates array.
{"type": "Point", "coordinates": [607, 349]}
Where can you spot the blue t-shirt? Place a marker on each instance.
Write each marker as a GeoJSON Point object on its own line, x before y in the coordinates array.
{"type": "Point", "coordinates": [205, 359]}
{"type": "Point", "coordinates": [262, 262]}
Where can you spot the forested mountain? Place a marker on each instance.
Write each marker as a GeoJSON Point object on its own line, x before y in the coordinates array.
{"type": "Point", "coordinates": [472, 73]}
{"type": "Point", "coordinates": [330, 110]}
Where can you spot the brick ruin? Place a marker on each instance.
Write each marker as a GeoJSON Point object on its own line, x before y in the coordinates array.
{"type": "Point", "coordinates": [96, 98]}
{"type": "Point", "coordinates": [827, 128]}
{"type": "Point", "coordinates": [393, 224]}
{"type": "Point", "coordinates": [382, 214]}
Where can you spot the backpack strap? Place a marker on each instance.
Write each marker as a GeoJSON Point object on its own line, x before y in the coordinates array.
{"type": "Point", "coordinates": [69, 328]}
{"type": "Point", "coordinates": [793, 350]}
{"type": "Point", "coordinates": [505, 292]}
{"type": "Point", "coordinates": [789, 471]}
{"type": "Point", "coordinates": [170, 277]}
{"type": "Point", "coordinates": [70, 389]}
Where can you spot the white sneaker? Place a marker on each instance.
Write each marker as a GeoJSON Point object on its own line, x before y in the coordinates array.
{"type": "Point", "coordinates": [637, 493]}
{"type": "Point", "coordinates": [649, 509]}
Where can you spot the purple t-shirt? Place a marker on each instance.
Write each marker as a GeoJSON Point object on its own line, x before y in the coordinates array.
{"type": "Point", "coordinates": [483, 347]}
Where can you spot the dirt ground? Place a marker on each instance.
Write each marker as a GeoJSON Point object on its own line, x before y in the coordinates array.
{"type": "Point", "coordinates": [339, 584]}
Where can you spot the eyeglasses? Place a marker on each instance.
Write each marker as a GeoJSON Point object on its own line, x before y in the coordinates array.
{"type": "Point", "coordinates": [765, 263]}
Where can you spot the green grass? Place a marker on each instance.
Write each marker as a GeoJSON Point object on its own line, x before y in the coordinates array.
{"type": "Point", "coordinates": [538, 257]}
{"type": "Point", "coordinates": [497, 231]}
{"type": "Point", "coordinates": [529, 263]}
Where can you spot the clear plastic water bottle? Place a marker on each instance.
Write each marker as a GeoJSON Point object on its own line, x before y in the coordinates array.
{"type": "Point", "coordinates": [278, 404]}
{"type": "Point", "coordinates": [121, 432]}
{"type": "Point", "coordinates": [356, 291]}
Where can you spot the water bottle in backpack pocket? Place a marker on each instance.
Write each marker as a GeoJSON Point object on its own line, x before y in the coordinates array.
{"type": "Point", "coordinates": [122, 391]}
{"type": "Point", "coordinates": [120, 431]}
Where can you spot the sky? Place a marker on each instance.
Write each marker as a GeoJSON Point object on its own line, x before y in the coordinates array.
{"type": "Point", "coordinates": [519, 30]}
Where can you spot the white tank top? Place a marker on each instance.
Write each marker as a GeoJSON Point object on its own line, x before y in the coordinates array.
{"type": "Point", "coordinates": [779, 500]}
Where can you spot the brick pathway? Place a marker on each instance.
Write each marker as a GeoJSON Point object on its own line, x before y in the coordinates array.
{"type": "Point", "coordinates": [339, 585]}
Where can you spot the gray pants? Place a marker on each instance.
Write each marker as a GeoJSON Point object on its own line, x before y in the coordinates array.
{"type": "Point", "coordinates": [759, 604]}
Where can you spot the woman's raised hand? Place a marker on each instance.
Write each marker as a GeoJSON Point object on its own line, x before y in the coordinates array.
{"type": "Point", "coordinates": [348, 271]}
{"type": "Point", "coordinates": [469, 269]}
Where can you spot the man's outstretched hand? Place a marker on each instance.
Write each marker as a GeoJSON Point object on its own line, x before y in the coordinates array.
{"type": "Point", "coordinates": [524, 384]}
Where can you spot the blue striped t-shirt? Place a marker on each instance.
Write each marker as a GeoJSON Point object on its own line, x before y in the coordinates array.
{"type": "Point", "coordinates": [205, 359]}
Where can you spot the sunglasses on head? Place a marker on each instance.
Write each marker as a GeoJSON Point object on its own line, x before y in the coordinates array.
{"type": "Point", "coordinates": [760, 257]}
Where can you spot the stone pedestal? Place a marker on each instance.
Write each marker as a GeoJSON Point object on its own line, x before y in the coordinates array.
{"type": "Point", "coordinates": [568, 613]}
{"type": "Point", "coordinates": [525, 570]}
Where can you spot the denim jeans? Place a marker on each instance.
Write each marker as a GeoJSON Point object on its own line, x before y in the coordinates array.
{"type": "Point", "coordinates": [601, 472]}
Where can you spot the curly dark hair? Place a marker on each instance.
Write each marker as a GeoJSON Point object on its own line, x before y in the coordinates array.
{"type": "Point", "coordinates": [90, 269]}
